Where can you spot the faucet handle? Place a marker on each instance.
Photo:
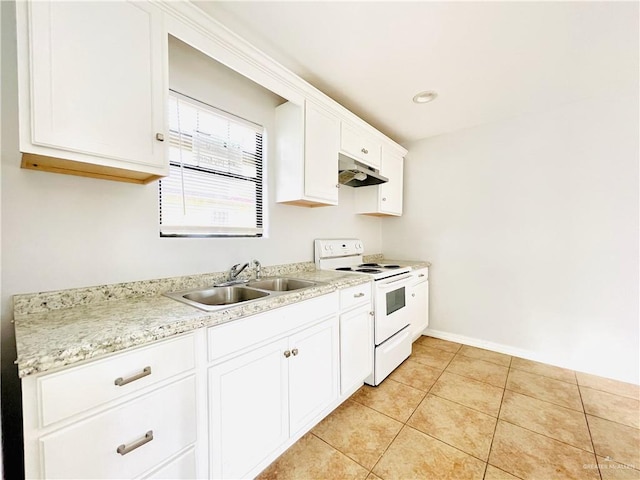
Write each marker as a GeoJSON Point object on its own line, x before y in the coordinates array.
{"type": "Point", "coordinates": [258, 268]}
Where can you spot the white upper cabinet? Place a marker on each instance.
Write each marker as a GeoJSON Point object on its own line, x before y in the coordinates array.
{"type": "Point", "coordinates": [356, 143]}
{"type": "Point", "coordinates": [307, 143]}
{"type": "Point", "coordinates": [384, 199]}
{"type": "Point", "coordinates": [92, 88]}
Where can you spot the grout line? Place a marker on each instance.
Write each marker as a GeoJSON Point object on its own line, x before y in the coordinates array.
{"type": "Point", "coordinates": [595, 455]}
{"type": "Point", "coordinates": [341, 452]}
{"type": "Point", "coordinates": [496, 427]}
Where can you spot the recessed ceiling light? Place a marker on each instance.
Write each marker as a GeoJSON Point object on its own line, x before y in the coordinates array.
{"type": "Point", "coordinates": [425, 97]}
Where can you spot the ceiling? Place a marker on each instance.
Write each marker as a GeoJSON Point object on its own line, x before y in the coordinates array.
{"type": "Point", "coordinates": [487, 60]}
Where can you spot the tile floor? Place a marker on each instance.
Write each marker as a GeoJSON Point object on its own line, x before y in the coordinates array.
{"type": "Point", "coordinates": [458, 412]}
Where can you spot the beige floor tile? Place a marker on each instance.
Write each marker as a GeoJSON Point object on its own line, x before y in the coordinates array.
{"type": "Point", "coordinates": [414, 455]}
{"type": "Point", "coordinates": [438, 343]}
{"type": "Point", "coordinates": [494, 473]}
{"type": "Point", "coordinates": [359, 432]}
{"type": "Point", "coordinates": [415, 374]}
{"type": "Point", "coordinates": [432, 357]}
{"type": "Point", "coordinates": [309, 458]}
{"type": "Point", "coordinates": [545, 388]}
{"type": "Point", "coordinates": [471, 393]}
{"type": "Point", "coordinates": [608, 385]}
{"type": "Point", "coordinates": [392, 398]}
{"type": "Point", "coordinates": [561, 423]}
{"type": "Point", "coordinates": [618, 442]}
{"type": "Point", "coordinates": [530, 455]}
{"type": "Point", "coordinates": [616, 471]}
{"type": "Point", "coordinates": [373, 476]}
{"type": "Point", "coordinates": [486, 355]}
{"type": "Point", "coordinates": [459, 426]}
{"type": "Point", "coordinates": [479, 370]}
{"type": "Point", "coordinates": [544, 369]}
{"type": "Point", "coordinates": [611, 407]}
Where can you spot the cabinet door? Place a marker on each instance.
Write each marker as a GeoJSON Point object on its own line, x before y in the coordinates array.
{"type": "Point", "coordinates": [357, 144]}
{"type": "Point", "coordinates": [248, 407]}
{"type": "Point", "coordinates": [322, 136]}
{"type": "Point", "coordinates": [390, 193]}
{"type": "Point", "coordinates": [97, 79]}
{"type": "Point", "coordinates": [313, 372]}
{"type": "Point", "coordinates": [356, 347]}
{"type": "Point", "coordinates": [418, 299]}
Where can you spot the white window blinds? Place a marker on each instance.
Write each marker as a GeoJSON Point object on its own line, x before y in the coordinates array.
{"type": "Point", "coordinates": [214, 187]}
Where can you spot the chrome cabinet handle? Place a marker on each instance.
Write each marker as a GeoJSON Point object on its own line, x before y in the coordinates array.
{"type": "Point", "coordinates": [372, 313]}
{"type": "Point", "coordinates": [160, 137]}
{"type": "Point", "coordinates": [124, 449]}
{"type": "Point", "coordinates": [337, 185]}
{"type": "Point", "coordinates": [294, 352]}
{"type": "Point", "coordinates": [364, 150]}
{"type": "Point", "coordinates": [421, 275]}
{"type": "Point", "coordinates": [384, 199]}
{"type": "Point", "coordinates": [123, 381]}
{"type": "Point", "coordinates": [358, 295]}
{"type": "Point", "coordinates": [413, 294]}
{"type": "Point", "coordinates": [287, 353]}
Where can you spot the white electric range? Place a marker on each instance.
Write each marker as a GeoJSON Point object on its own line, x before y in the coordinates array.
{"type": "Point", "coordinates": [392, 335]}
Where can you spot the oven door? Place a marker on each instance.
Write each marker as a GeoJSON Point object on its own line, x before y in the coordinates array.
{"type": "Point", "coordinates": [391, 306]}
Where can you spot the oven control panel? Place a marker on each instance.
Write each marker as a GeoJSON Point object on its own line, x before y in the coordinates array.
{"type": "Point", "coordinates": [337, 247]}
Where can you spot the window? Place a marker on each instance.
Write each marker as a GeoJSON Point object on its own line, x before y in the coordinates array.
{"type": "Point", "coordinates": [214, 187]}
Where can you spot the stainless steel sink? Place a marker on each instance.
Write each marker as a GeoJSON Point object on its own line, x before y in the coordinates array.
{"type": "Point", "coordinates": [281, 284]}
{"type": "Point", "coordinates": [217, 298]}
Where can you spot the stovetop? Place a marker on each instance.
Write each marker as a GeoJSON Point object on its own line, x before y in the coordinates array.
{"type": "Point", "coordinates": [346, 255]}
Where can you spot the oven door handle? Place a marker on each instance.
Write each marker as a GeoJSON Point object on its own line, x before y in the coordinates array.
{"type": "Point", "coordinates": [391, 284]}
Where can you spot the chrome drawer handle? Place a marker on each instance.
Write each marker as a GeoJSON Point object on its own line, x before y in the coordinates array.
{"type": "Point", "coordinates": [421, 275]}
{"type": "Point", "coordinates": [123, 381]}
{"type": "Point", "coordinates": [358, 295]}
{"type": "Point", "coordinates": [124, 449]}
{"type": "Point", "coordinates": [365, 151]}
{"type": "Point", "coordinates": [287, 353]}
{"type": "Point", "coordinates": [294, 352]}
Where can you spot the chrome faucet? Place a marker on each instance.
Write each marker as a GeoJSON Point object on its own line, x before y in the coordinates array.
{"type": "Point", "coordinates": [235, 271]}
{"type": "Point", "coordinates": [258, 267]}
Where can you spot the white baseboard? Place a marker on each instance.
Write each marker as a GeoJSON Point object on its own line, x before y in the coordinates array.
{"type": "Point", "coordinates": [508, 350]}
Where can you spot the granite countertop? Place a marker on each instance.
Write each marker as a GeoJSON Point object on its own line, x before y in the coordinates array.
{"type": "Point", "coordinates": [57, 329]}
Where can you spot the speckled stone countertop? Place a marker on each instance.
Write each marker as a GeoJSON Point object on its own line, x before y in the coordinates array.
{"type": "Point", "coordinates": [56, 329]}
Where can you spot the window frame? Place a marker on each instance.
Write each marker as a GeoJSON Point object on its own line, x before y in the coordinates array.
{"type": "Point", "coordinates": [211, 231]}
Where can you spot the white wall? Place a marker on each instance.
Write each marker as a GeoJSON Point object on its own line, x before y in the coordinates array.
{"type": "Point", "coordinates": [532, 228]}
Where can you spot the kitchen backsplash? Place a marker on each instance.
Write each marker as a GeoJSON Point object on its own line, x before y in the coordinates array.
{"type": "Point", "coordinates": [55, 300]}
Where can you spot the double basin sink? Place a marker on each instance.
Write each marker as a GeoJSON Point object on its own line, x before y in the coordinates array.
{"type": "Point", "coordinates": [217, 298]}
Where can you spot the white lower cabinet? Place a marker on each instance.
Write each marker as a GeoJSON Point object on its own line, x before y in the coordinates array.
{"type": "Point", "coordinates": [356, 337]}
{"type": "Point", "coordinates": [418, 302]}
{"type": "Point", "coordinates": [127, 441]}
{"type": "Point", "coordinates": [221, 402]}
{"type": "Point", "coordinates": [356, 348]}
{"type": "Point", "coordinates": [259, 399]}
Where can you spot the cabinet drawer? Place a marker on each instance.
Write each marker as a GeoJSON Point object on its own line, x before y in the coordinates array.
{"type": "Point", "coordinates": [126, 441]}
{"type": "Point", "coordinates": [77, 389]}
{"type": "Point", "coordinates": [245, 332]}
{"type": "Point", "coordinates": [420, 275]}
{"type": "Point", "coordinates": [352, 296]}
{"type": "Point", "coordinates": [360, 146]}
{"type": "Point", "coordinates": [182, 467]}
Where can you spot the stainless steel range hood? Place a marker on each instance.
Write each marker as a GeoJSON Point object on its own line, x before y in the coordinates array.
{"type": "Point", "coordinates": [355, 174]}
